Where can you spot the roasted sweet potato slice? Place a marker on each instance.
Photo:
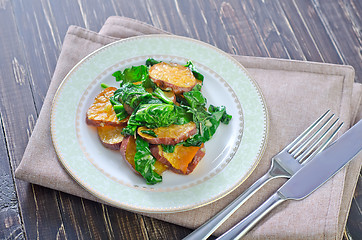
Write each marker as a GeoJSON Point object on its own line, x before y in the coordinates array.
{"type": "Point", "coordinates": [128, 151]}
{"type": "Point", "coordinates": [160, 167]}
{"type": "Point", "coordinates": [110, 136]}
{"type": "Point", "coordinates": [170, 135]}
{"type": "Point", "coordinates": [183, 160]}
{"type": "Point", "coordinates": [101, 112]}
{"type": "Point", "coordinates": [172, 76]}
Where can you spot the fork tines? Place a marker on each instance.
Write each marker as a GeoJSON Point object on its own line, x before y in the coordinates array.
{"type": "Point", "coordinates": [315, 138]}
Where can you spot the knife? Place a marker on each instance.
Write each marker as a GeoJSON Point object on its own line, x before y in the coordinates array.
{"type": "Point", "coordinates": [308, 179]}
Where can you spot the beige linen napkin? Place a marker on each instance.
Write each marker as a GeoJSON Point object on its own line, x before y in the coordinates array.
{"type": "Point", "coordinates": [296, 93]}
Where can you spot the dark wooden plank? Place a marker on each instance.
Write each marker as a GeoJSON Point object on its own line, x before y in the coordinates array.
{"type": "Point", "coordinates": [301, 32]}
{"type": "Point", "coordinates": [10, 221]}
{"type": "Point", "coordinates": [288, 39]}
{"type": "Point", "coordinates": [317, 31]}
{"type": "Point", "coordinates": [354, 224]}
{"type": "Point", "coordinates": [240, 32]}
{"type": "Point", "coordinates": [41, 41]}
{"type": "Point", "coordinates": [157, 231]}
{"type": "Point", "coordinates": [259, 16]}
{"type": "Point", "coordinates": [343, 23]}
{"type": "Point", "coordinates": [18, 114]}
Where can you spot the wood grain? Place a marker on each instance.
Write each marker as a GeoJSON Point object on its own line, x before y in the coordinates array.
{"type": "Point", "coordinates": [31, 40]}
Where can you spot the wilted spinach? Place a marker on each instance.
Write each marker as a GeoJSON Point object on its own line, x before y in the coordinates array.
{"type": "Point", "coordinates": [194, 71]}
{"type": "Point", "coordinates": [151, 116]}
{"type": "Point", "coordinates": [161, 95]}
{"type": "Point", "coordinates": [206, 121]}
{"type": "Point", "coordinates": [150, 62]}
{"type": "Point", "coordinates": [118, 107]}
{"type": "Point", "coordinates": [132, 95]}
{"type": "Point", "coordinates": [144, 162]}
{"type": "Point", "coordinates": [168, 148]}
{"type": "Point", "coordinates": [220, 113]}
{"type": "Point", "coordinates": [149, 132]}
{"type": "Point", "coordinates": [132, 74]}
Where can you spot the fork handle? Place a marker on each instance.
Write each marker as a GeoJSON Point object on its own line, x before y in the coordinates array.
{"type": "Point", "coordinates": [204, 231]}
{"type": "Point", "coordinates": [252, 219]}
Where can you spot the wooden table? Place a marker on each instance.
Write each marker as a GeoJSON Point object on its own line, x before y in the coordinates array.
{"type": "Point", "coordinates": [30, 42]}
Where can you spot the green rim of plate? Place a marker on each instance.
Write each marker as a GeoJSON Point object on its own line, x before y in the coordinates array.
{"type": "Point", "coordinates": [246, 158]}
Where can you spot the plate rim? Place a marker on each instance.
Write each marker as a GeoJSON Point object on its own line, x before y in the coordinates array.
{"type": "Point", "coordinates": [113, 202]}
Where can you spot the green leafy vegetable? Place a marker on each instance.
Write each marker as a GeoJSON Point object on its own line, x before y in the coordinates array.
{"type": "Point", "coordinates": [132, 95]}
{"type": "Point", "coordinates": [196, 73]}
{"type": "Point", "coordinates": [206, 122]}
{"type": "Point", "coordinates": [131, 75]}
{"type": "Point", "coordinates": [168, 148]}
{"type": "Point", "coordinates": [149, 132]}
{"type": "Point", "coordinates": [151, 62]}
{"type": "Point", "coordinates": [103, 85]}
{"type": "Point", "coordinates": [118, 106]}
{"type": "Point", "coordinates": [194, 98]}
{"type": "Point", "coordinates": [220, 113]}
{"type": "Point", "coordinates": [161, 95]}
{"type": "Point", "coordinates": [144, 162]}
{"type": "Point", "coordinates": [151, 116]}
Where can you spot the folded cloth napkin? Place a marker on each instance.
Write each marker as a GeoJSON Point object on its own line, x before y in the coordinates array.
{"type": "Point", "coordinates": [296, 93]}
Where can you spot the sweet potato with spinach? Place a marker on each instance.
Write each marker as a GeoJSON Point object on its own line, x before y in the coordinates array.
{"type": "Point", "coordinates": [128, 151]}
{"type": "Point", "coordinates": [101, 112]}
{"type": "Point", "coordinates": [181, 160]}
{"type": "Point", "coordinates": [173, 76]}
{"type": "Point", "coordinates": [170, 135]}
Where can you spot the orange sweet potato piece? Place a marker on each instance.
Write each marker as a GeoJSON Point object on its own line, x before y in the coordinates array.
{"type": "Point", "coordinates": [160, 167]}
{"type": "Point", "coordinates": [170, 135]}
{"type": "Point", "coordinates": [128, 151]}
{"type": "Point", "coordinates": [172, 76]}
{"type": "Point", "coordinates": [101, 112]}
{"type": "Point", "coordinates": [110, 136]}
{"type": "Point", "coordinates": [183, 160]}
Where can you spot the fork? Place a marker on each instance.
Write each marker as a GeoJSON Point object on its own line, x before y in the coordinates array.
{"type": "Point", "coordinates": [285, 164]}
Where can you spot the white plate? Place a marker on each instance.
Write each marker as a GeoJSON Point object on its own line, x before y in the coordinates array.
{"type": "Point", "coordinates": [231, 155]}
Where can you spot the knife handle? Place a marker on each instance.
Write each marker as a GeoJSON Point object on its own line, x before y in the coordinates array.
{"type": "Point", "coordinates": [204, 231]}
{"type": "Point", "coordinates": [252, 219]}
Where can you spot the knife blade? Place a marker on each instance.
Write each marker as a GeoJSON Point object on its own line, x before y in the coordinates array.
{"type": "Point", "coordinates": [308, 179]}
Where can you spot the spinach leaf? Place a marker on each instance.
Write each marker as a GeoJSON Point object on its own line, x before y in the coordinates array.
{"type": "Point", "coordinates": [103, 85]}
{"type": "Point", "coordinates": [207, 122]}
{"type": "Point", "coordinates": [152, 116]}
{"type": "Point", "coordinates": [144, 162]}
{"type": "Point", "coordinates": [161, 95]}
{"type": "Point", "coordinates": [168, 148]}
{"type": "Point", "coordinates": [132, 74]}
{"type": "Point", "coordinates": [151, 62]}
{"type": "Point", "coordinates": [149, 132]}
{"type": "Point", "coordinates": [220, 113]}
{"type": "Point", "coordinates": [194, 98]}
{"type": "Point", "coordinates": [156, 115]}
{"type": "Point", "coordinates": [196, 73]}
{"type": "Point", "coordinates": [118, 106]}
{"type": "Point", "coordinates": [132, 95]}
{"type": "Point", "coordinates": [118, 75]}
{"type": "Point", "coordinates": [183, 115]}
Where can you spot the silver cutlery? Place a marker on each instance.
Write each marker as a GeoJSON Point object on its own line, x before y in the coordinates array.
{"type": "Point", "coordinates": [308, 179]}
{"type": "Point", "coordinates": [285, 164]}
